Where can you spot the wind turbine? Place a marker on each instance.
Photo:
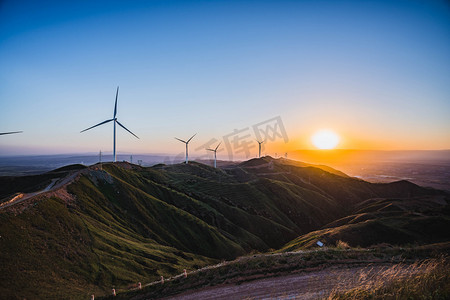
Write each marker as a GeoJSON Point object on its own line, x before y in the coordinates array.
{"type": "Point", "coordinates": [215, 154]}
{"type": "Point", "coordinates": [115, 121]}
{"type": "Point", "coordinates": [186, 145]}
{"type": "Point", "coordinates": [12, 132]}
{"type": "Point", "coordinates": [259, 145]}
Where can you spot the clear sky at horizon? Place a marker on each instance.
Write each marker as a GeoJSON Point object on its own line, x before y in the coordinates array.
{"type": "Point", "coordinates": [375, 72]}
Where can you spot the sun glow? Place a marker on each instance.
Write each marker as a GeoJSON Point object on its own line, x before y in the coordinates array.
{"type": "Point", "coordinates": [325, 139]}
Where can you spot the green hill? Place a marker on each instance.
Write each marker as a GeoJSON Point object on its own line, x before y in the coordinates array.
{"type": "Point", "coordinates": [393, 221]}
{"type": "Point", "coordinates": [122, 224]}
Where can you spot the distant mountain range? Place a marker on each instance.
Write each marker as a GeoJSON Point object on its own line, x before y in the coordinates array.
{"type": "Point", "coordinates": [80, 230]}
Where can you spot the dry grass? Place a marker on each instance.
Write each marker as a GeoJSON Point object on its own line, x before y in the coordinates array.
{"type": "Point", "coordinates": [383, 263]}
{"type": "Point", "coordinates": [428, 279]}
{"type": "Point", "coordinates": [342, 245]}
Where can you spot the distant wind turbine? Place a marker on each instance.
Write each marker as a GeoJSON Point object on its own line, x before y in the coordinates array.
{"type": "Point", "coordinates": [115, 121]}
{"type": "Point", "coordinates": [215, 154]}
{"type": "Point", "coordinates": [12, 132]}
{"type": "Point", "coordinates": [259, 145]}
{"type": "Point", "coordinates": [186, 145]}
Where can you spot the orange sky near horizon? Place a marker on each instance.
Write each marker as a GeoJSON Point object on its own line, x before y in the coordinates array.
{"type": "Point", "coordinates": [351, 141]}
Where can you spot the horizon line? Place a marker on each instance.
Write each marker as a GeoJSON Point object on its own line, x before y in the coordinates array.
{"type": "Point", "coordinates": [166, 154]}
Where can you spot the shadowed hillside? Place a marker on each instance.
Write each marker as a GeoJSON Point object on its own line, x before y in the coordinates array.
{"type": "Point", "coordinates": [392, 221]}
{"type": "Point", "coordinates": [92, 228]}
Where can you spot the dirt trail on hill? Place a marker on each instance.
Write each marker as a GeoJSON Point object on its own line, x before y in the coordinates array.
{"type": "Point", "coordinates": [56, 184]}
{"type": "Point", "coordinates": [312, 285]}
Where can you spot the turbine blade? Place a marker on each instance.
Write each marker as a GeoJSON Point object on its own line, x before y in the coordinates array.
{"type": "Point", "coordinates": [115, 105]}
{"type": "Point", "coordinates": [97, 125]}
{"type": "Point", "coordinates": [12, 132]}
{"type": "Point", "coordinates": [211, 150]}
{"type": "Point", "coordinates": [190, 138]}
{"type": "Point", "coordinates": [126, 129]}
{"type": "Point", "coordinates": [181, 140]}
{"type": "Point", "coordinates": [218, 146]}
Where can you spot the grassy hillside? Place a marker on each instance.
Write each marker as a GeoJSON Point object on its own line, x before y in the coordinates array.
{"type": "Point", "coordinates": [394, 221]}
{"type": "Point", "coordinates": [116, 226]}
{"type": "Point", "coordinates": [66, 250]}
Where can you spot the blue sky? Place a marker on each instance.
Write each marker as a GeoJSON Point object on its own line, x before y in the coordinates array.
{"type": "Point", "coordinates": [375, 72]}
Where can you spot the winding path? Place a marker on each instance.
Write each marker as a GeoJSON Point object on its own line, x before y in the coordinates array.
{"type": "Point", "coordinates": [313, 285]}
{"type": "Point", "coordinates": [55, 184]}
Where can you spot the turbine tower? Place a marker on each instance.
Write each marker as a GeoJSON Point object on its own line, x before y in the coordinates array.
{"type": "Point", "coordinates": [186, 145]}
{"type": "Point", "coordinates": [12, 132]}
{"type": "Point", "coordinates": [215, 154]}
{"type": "Point", "coordinates": [115, 121]}
{"type": "Point", "coordinates": [259, 145]}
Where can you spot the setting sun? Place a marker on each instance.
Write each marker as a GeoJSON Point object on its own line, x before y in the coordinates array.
{"type": "Point", "coordinates": [325, 139]}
